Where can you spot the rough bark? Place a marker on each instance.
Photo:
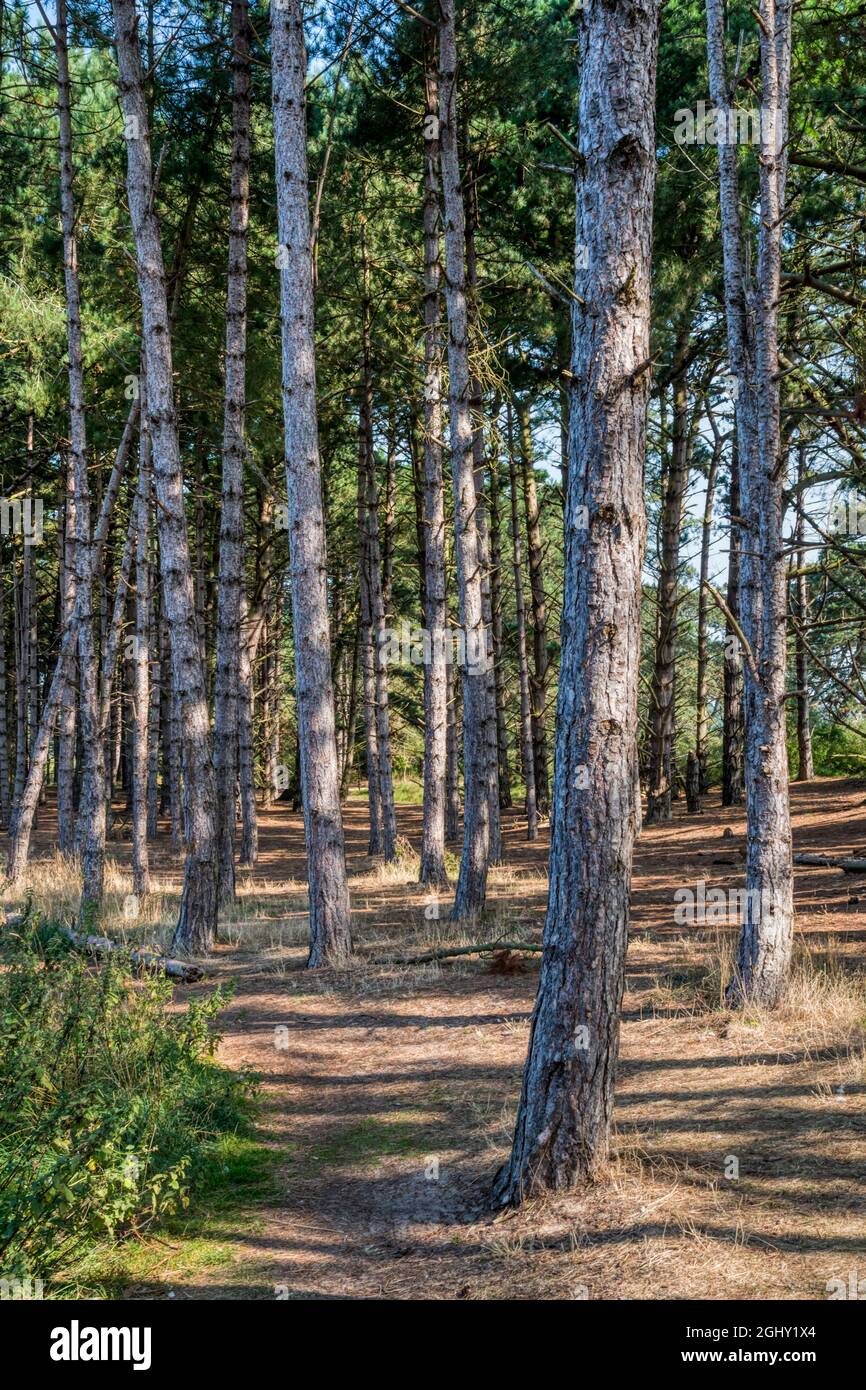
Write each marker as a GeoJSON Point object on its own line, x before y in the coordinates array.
{"type": "Point", "coordinates": [4, 747]}
{"type": "Point", "coordinates": [435, 603]}
{"type": "Point", "coordinates": [702, 721]}
{"type": "Point", "coordinates": [751, 302]}
{"type": "Point", "coordinates": [92, 800]}
{"type": "Point", "coordinates": [805, 761]}
{"type": "Point", "coordinates": [198, 911]}
{"type": "Point", "coordinates": [526, 744]}
{"type": "Point", "coordinates": [231, 542]}
{"type": "Point", "coordinates": [249, 849]}
{"type": "Point", "coordinates": [377, 610]}
{"type": "Point", "coordinates": [22, 825]}
{"type": "Point", "coordinates": [452, 759]}
{"type": "Point", "coordinates": [348, 762]}
{"type": "Point", "coordinates": [504, 771]}
{"type": "Point", "coordinates": [733, 787]}
{"type": "Point", "coordinates": [693, 783]}
{"type": "Point", "coordinates": [482, 518]}
{"type": "Point", "coordinates": [330, 935]}
{"type": "Point", "coordinates": [538, 675]}
{"type": "Point", "coordinates": [472, 880]}
{"type": "Point", "coordinates": [564, 1121]}
{"type": "Point", "coordinates": [140, 690]}
{"type": "Point", "coordinates": [153, 722]}
{"type": "Point", "coordinates": [663, 687]}
{"type": "Point", "coordinates": [67, 717]}
{"type": "Point", "coordinates": [379, 786]}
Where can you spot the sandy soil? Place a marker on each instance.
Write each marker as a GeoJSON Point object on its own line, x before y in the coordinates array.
{"type": "Point", "coordinates": [738, 1167]}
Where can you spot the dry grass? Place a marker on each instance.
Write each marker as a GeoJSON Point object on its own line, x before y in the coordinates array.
{"type": "Point", "coordinates": [824, 1005]}
{"type": "Point", "coordinates": [390, 1063]}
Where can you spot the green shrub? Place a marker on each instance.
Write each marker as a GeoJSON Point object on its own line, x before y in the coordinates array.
{"type": "Point", "coordinates": [110, 1104]}
{"type": "Point", "coordinates": [837, 751]}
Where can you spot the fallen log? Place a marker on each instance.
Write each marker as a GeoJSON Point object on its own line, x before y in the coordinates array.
{"type": "Point", "coordinates": [479, 949]}
{"type": "Point", "coordinates": [830, 861]}
{"type": "Point", "coordinates": [99, 946]}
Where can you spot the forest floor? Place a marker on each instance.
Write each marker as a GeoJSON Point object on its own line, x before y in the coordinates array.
{"type": "Point", "coordinates": [387, 1106]}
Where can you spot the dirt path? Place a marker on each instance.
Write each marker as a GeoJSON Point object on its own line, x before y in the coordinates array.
{"type": "Point", "coordinates": [388, 1094]}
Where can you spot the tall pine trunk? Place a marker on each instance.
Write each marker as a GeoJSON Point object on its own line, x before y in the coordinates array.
{"type": "Point", "coordinates": [140, 690]}
{"type": "Point", "coordinates": [435, 606]}
{"type": "Point", "coordinates": [766, 938]}
{"type": "Point", "coordinates": [231, 542]}
{"type": "Point", "coordinates": [249, 850]}
{"type": "Point", "coordinates": [472, 880]}
{"type": "Point", "coordinates": [538, 676]}
{"type": "Point", "coordinates": [67, 718]}
{"type": "Point", "coordinates": [482, 519]}
{"type": "Point", "coordinates": [526, 745]}
{"type": "Point", "coordinates": [25, 810]}
{"type": "Point", "coordinates": [805, 761]}
{"type": "Point", "coordinates": [564, 1121]}
{"type": "Point", "coordinates": [504, 771]}
{"type": "Point", "coordinates": [330, 933]}
{"type": "Point", "coordinates": [663, 689]}
{"type": "Point", "coordinates": [92, 801]}
{"type": "Point", "coordinates": [702, 720]}
{"type": "Point", "coordinates": [733, 788]}
{"type": "Point", "coordinates": [377, 722]}
{"type": "Point", "coordinates": [198, 911]}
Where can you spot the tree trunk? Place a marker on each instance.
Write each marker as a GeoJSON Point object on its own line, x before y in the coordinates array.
{"type": "Point", "coordinates": [538, 677]}
{"type": "Point", "coordinates": [330, 934]}
{"type": "Point", "coordinates": [805, 763]}
{"type": "Point", "coordinates": [67, 718]}
{"type": "Point", "coordinates": [4, 746]}
{"type": "Point", "coordinates": [198, 911]}
{"type": "Point", "coordinates": [452, 759]}
{"type": "Point", "coordinates": [92, 801]}
{"type": "Point", "coordinates": [528, 751]}
{"type": "Point", "coordinates": [140, 688]}
{"type": "Point", "coordinates": [372, 599]}
{"type": "Point", "coordinates": [563, 1125]}
{"type": "Point", "coordinates": [249, 851]}
{"type": "Point", "coordinates": [693, 783]}
{"type": "Point", "coordinates": [504, 771]}
{"type": "Point", "coordinates": [702, 722]}
{"type": "Point", "coordinates": [752, 318]}
{"type": "Point", "coordinates": [733, 788]}
{"type": "Point", "coordinates": [153, 723]}
{"type": "Point", "coordinates": [368, 639]}
{"type": "Point", "coordinates": [472, 880]}
{"type": "Point", "coordinates": [435, 606]}
{"type": "Point", "coordinates": [231, 545]}
{"type": "Point", "coordinates": [663, 690]}
{"type": "Point", "coordinates": [20, 593]}
{"type": "Point", "coordinates": [764, 954]}
{"type": "Point", "coordinates": [351, 720]}
{"type": "Point", "coordinates": [25, 812]}
{"type": "Point", "coordinates": [482, 520]}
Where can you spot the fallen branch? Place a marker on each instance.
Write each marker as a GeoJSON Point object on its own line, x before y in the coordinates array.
{"type": "Point", "coordinates": [829, 861]}
{"type": "Point", "coordinates": [145, 960]}
{"type": "Point", "coordinates": [479, 949]}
